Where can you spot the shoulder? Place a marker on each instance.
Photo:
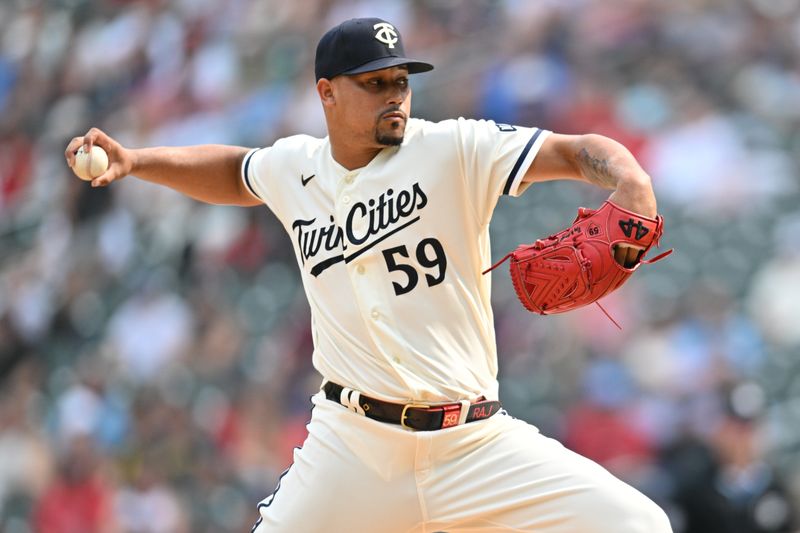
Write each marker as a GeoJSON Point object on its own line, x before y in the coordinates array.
{"type": "Point", "coordinates": [425, 127]}
{"type": "Point", "coordinates": [456, 136]}
{"type": "Point", "coordinates": [421, 130]}
{"type": "Point", "coordinates": [285, 154]}
{"type": "Point", "coordinates": [455, 127]}
{"type": "Point", "coordinates": [298, 145]}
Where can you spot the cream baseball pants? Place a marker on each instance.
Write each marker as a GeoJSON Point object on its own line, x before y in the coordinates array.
{"type": "Point", "coordinates": [356, 475]}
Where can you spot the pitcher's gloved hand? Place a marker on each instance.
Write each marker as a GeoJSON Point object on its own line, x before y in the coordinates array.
{"type": "Point", "coordinates": [577, 266]}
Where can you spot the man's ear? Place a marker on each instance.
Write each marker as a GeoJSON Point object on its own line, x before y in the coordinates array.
{"type": "Point", "coordinates": [325, 91]}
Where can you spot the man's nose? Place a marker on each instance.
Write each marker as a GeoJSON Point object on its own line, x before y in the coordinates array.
{"type": "Point", "coordinates": [396, 95]}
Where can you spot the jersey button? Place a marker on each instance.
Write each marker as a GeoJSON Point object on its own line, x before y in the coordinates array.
{"type": "Point", "coordinates": [360, 269]}
{"type": "Point", "coordinates": [375, 314]}
{"type": "Point", "coordinates": [345, 199]}
{"type": "Point", "coordinates": [349, 179]}
{"type": "Point", "coordinates": [396, 360]}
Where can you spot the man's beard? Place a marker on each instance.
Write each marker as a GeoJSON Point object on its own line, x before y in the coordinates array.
{"type": "Point", "coordinates": [388, 140]}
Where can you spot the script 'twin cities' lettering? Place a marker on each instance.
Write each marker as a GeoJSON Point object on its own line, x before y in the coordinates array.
{"type": "Point", "coordinates": [378, 213]}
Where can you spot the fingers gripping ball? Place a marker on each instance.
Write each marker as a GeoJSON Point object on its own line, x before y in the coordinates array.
{"type": "Point", "coordinates": [89, 165]}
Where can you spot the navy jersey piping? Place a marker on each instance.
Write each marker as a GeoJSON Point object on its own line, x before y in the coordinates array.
{"type": "Point", "coordinates": [520, 159]}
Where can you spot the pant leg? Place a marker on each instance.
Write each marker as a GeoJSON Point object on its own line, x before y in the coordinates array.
{"type": "Point", "coordinates": [501, 474]}
{"type": "Point", "coordinates": [352, 475]}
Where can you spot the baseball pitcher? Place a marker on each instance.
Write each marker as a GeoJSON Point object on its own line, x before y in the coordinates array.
{"type": "Point", "coordinates": [389, 218]}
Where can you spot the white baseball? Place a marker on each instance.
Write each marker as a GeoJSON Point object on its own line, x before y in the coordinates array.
{"type": "Point", "coordinates": [89, 165]}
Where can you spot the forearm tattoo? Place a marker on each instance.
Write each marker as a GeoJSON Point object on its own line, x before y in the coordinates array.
{"type": "Point", "coordinates": [596, 169]}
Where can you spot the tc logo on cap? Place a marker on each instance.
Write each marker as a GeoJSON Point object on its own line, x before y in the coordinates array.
{"type": "Point", "coordinates": [386, 33]}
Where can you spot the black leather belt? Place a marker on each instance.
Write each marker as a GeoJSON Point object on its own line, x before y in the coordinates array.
{"type": "Point", "coordinates": [416, 416]}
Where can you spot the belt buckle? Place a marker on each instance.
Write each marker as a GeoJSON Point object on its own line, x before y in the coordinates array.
{"type": "Point", "coordinates": [404, 414]}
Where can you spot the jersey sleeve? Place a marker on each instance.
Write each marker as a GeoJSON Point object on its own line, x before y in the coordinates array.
{"type": "Point", "coordinates": [495, 158]}
{"type": "Point", "coordinates": [264, 171]}
{"type": "Point", "coordinates": [255, 174]}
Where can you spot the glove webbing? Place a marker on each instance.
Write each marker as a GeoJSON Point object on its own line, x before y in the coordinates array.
{"type": "Point", "coordinates": [585, 265]}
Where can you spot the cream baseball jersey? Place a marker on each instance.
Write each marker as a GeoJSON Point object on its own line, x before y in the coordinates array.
{"type": "Point", "coordinates": [391, 254]}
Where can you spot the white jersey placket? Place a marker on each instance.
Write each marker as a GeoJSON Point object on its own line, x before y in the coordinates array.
{"type": "Point", "coordinates": [367, 283]}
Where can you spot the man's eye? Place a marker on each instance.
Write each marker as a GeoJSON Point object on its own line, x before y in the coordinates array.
{"type": "Point", "coordinates": [402, 82]}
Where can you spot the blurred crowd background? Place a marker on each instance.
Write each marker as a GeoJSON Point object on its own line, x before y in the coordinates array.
{"type": "Point", "coordinates": [155, 352]}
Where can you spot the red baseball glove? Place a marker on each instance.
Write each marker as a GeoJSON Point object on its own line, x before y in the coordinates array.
{"type": "Point", "coordinates": [576, 266]}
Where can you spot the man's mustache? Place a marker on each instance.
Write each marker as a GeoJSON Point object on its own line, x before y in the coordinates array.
{"type": "Point", "coordinates": [391, 110]}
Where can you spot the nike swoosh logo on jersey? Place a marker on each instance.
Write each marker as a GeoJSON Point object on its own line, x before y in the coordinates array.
{"type": "Point", "coordinates": [306, 180]}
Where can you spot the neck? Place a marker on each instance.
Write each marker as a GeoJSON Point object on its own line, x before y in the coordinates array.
{"type": "Point", "coordinates": [353, 157]}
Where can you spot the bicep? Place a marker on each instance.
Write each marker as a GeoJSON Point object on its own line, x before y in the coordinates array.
{"type": "Point", "coordinates": [556, 160]}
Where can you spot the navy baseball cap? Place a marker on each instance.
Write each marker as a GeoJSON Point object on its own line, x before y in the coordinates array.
{"type": "Point", "coordinates": [362, 45]}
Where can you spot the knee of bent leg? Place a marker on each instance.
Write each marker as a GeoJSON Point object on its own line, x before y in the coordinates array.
{"type": "Point", "coordinates": [653, 519]}
{"type": "Point", "coordinates": [642, 515]}
{"type": "Point", "coordinates": [626, 512]}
